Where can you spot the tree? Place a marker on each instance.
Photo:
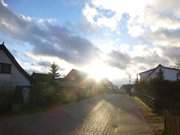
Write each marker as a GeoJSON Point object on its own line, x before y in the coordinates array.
{"type": "Point", "coordinates": [54, 71]}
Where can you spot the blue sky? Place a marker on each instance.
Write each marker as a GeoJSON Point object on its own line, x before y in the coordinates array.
{"type": "Point", "coordinates": [63, 11]}
{"type": "Point", "coordinates": [106, 38]}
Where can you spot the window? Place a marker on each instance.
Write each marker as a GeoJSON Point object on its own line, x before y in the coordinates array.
{"type": "Point", "coordinates": [5, 68]}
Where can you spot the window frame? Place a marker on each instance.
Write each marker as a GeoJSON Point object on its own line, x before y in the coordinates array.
{"type": "Point", "coordinates": [3, 68]}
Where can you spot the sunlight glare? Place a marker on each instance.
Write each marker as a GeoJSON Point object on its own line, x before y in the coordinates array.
{"type": "Point", "coordinates": [99, 70]}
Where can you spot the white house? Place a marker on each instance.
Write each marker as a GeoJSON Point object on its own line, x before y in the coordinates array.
{"type": "Point", "coordinates": [171, 74]}
{"type": "Point", "coordinates": [12, 75]}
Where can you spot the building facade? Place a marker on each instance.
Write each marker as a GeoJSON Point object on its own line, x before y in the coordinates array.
{"type": "Point", "coordinates": [12, 75]}
{"type": "Point", "coordinates": [171, 74]}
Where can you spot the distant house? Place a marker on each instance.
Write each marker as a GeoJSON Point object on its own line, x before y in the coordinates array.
{"type": "Point", "coordinates": [12, 75]}
{"type": "Point", "coordinates": [80, 79]}
{"type": "Point", "coordinates": [76, 79]}
{"type": "Point", "coordinates": [75, 75]}
{"type": "Point", "coordinates": [127, 88]}
{"type": "Point", "coordinates": [171, 74]}
{"type": "Point", "coordinates": [108, 84]}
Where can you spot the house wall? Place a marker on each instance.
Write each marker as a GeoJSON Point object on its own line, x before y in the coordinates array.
{"type": "Point", "coordinates": [15, 77]}
{"type": "Point", "coordinates": [169, 74]}
{"type": "Point", "coordinates": [145, 75]}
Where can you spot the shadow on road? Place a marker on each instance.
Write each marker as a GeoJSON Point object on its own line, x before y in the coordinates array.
{"type": "Point", "coordinates": [105, 114]}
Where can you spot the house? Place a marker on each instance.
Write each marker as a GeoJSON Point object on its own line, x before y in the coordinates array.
{"type": "Point", "coordinates": [76, 79]}
{"type": "Point", "coordinates": [108, 84]}
{"type": "Point", "coordinates": [127, 88]}
{"type": "Point", "coordinates": [171, 74]}
{"type": "Point", "coordinates": [82, 80]}
{"type": "Point", "coordinates": [75, 75]}
{"type": "Point", "coordinates": [12, 75]}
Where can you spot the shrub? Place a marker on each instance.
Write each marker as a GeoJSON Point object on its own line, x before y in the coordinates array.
{"type": "Point", "coordinates": [166, 93]}
{"type": "Point", "coordinates": [68, 95]}
{"type": "Point", "coordinates": [164, 133]}
{"type": "Point", "coordinates": [6, 100]}
{"type": "Point", "coordinates": [42, 94]}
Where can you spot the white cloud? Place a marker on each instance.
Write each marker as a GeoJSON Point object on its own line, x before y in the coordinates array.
{"type": "Point", "coordinates": [4, 3]}
{"type": "Point", "coordinates": [90, 13]}
{"type": "Point", "coordinates": [144, 15]}
{"type": "Point", "coordinates": [118, 7]}
{"type": "Point", "coordinates": [41, 63]}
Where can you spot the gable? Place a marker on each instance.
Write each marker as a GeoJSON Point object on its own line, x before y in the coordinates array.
{"type": "Point", "coordinates": [75, 75]}
{"type": "Point", "coordinates": [169, 73]}
{"type": "Point", "coordinates": [7, 57]}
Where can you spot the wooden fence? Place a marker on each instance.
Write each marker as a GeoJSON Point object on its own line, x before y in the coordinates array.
{"type": "Point", "coordinates": [172, 124]}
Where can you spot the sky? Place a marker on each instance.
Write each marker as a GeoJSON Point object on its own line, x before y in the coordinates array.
{"type": "Point", "coordinates": [112, 39]}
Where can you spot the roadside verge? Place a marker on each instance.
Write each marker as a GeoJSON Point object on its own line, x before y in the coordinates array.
{"type": "Point", "coordinates": [156, 121]}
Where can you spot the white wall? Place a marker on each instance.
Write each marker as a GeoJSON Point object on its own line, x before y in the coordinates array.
{"type": "Point", "coordinates": [145, 75]}
{"type": "Point", "coordinates": [169, 74]}
{"type": "Point", "coordinates": [15, 77]}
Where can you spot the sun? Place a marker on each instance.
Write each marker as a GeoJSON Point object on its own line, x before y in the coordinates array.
{"type": "Point", "coordinates": [98, 70]}
{"type": "Point", "coordinates": [96, 73]}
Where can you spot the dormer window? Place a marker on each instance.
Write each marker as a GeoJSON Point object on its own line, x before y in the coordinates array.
{"type": "Point", "coordinates": [5, 68]}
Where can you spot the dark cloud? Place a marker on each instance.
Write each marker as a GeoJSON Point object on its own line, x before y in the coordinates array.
{"type": "Point", "coordinates": [172, 52]}
{"type": "Point", "coordinates": [118, 59]}
{"type": "Point", "coordinates": [44, 63]}
{"type": "Point", "coordinates": [167, 40]}
{"type": "Point", "coordinates": [151, 60]}
{"type": "Point", "coordinates": [171, 34]}
{"type": "Point", "coordinates": [47, 37]}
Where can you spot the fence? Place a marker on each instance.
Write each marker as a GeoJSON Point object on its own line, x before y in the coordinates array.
{"type": "Point", "coordinates": [172, 124]}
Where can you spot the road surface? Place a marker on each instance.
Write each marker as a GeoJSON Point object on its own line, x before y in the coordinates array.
{"type": "Point", "coordinates": [103, 115]}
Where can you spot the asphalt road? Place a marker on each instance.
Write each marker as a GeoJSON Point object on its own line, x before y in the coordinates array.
{"type": "Point", "coordinates": [103, 115]}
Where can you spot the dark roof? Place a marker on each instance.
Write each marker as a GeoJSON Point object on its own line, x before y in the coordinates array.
{"type": "Point", "coordinates": [154, 69]}
{"type": "Point", "coordinates": [150, 70]}
{"type": "Point", "coordinates": [11, 57]}
{"type": "Point", "coordinates": [171, 68]}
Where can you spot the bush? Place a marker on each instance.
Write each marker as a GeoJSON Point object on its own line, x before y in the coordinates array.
{"type": "Point", "coordinates": [42, 94]}
{"type": "Point", "coordinates": [166, 93]}
{"type": "Point", "coordinates": [45, 90]}
{"type": "Point", "coordinates": [6, 100]}
{"type": "Point", "coordinates": [164, 133]}
{"type": "Point", "coordinates": [67, 96]}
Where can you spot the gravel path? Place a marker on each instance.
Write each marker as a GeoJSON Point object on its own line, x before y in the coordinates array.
{"type": "Point", "coordinates": [103, 115]}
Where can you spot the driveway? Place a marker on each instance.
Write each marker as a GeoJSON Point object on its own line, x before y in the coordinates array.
{"type": "Point", "coordinates": [111, 114]}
